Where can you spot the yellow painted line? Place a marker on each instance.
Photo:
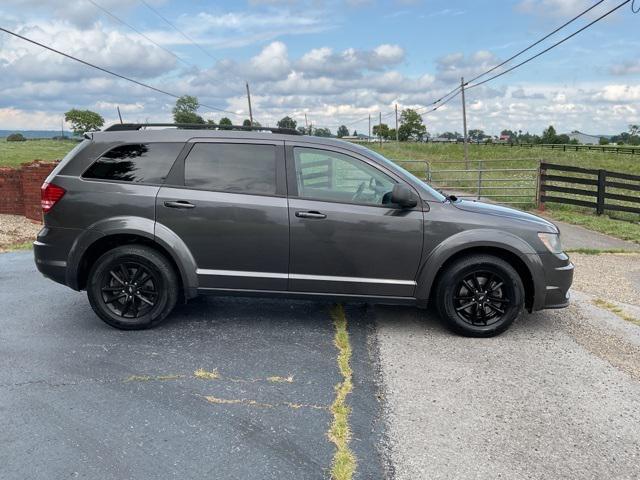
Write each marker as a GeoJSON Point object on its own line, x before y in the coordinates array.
{"type": "Point", "coordinates": [344, 461]}
{"type": "Point", "coordinates": [616, 310]}
{"type": "Point", "coordinates": [254, 403]}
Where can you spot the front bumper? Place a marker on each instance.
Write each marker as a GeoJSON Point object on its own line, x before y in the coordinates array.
{"type": "Point", "coordinates": [558, 272]}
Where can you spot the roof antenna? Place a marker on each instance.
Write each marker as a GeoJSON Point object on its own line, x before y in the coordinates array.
{"type": "Point", "coordinates": [118, 107]}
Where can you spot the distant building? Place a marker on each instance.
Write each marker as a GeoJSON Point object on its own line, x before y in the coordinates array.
{"type": "Point", "coordinates": [586, 139]}
{"type": "Point", "coordinates": [504, 138]}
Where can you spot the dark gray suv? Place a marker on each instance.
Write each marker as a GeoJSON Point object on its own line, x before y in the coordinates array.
{"type": "Point", "coordinates": [143, 217]}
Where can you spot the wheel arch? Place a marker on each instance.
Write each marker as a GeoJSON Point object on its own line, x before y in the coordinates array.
{"type": "Point", "coordinates": [115, 232]}
{"type": "Point", "coordinates": [515, 251]}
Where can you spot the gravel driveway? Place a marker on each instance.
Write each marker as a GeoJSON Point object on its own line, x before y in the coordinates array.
{"type": "Point", "coordinates": [556, 396]}
{"type": "Point", "coordinates": [15, 230]}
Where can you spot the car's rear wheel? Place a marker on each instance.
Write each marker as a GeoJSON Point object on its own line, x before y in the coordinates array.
{"type": "Point", "coordinates": [480, 296]}
{"type": "Point", "coordinates": [132, 287]}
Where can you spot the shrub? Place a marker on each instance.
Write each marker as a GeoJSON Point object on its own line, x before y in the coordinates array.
{"type": "Point", "coordinates": [16, 137]}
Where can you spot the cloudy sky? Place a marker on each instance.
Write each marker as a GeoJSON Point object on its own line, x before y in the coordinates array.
{"type": "Point", "coordinates": [335, 60]}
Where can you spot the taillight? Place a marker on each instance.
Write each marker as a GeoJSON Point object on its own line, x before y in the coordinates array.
{"type": "Point", "coordinates": [49, 195]}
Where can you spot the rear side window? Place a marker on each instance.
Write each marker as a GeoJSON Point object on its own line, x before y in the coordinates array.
{"type": "Point", "coordinates": [138, 163]}
{"type": "Point", "coordinates": [232, 167]}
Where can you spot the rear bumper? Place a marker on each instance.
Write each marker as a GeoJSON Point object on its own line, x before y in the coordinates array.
{"type": "Point", "coordinates": [558, 279]}
{"type": "Point", "coordinates": [51, 251]}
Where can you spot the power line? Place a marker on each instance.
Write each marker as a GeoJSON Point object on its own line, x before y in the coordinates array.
{"type": "Point", "coordinates": [537, 42]}
{"type": "Point", "coordinates": [550, 47]}
{"type": "Point", "coordinates": [126, 24]}
{"type": "Point", "coordinates": [191, 40]}
{"type": "Point", "coordinates": [187, 37]}
{"type": "Point", "coordinates": [102, 69]}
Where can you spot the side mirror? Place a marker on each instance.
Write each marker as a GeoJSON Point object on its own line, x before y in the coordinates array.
{"type": "Point", "coordinates": [403, 196]}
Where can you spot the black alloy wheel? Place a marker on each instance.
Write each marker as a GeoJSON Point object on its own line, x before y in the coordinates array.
{"type": "Point", "coordinates": [479, 295]}
{"type": "Point", "coordinates": [481, 298]}
{"type": "Point", "coordinates": [132, 287]}
{"type": "Point", "coordinates": [130, 290]}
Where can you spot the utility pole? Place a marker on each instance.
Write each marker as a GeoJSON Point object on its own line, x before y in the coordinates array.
{"type": "Point", "coordinates": [369, 137]}
{"type": "Point", "coordinates": [380, 129]}
{"type": "Point", "coordinates": [306, 125]}
{"type": "Point", "coordinates": [464, 126]}
{"type": "Point", "coordinates": [62, 129]}
{"type": "Point", "coordinates": [397, 137]}
{"type": "Point", "coordinates": [249, 100]}
{"type": "Point", "coordinates": [119, 115]}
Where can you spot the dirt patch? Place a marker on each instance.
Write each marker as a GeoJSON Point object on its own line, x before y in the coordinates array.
{"type": "Point", "coordinates": [611, 276]}
{"type": "Point", "coordinates": [16, 230]}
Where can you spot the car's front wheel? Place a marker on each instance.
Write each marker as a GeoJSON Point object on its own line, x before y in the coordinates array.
{"type": "Point", "coordinates": [480, 296]}
{"type": "Point", "coordinates": [132, 287]}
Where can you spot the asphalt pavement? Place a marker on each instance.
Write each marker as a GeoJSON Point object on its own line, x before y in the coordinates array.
{"type": "Point", "coordinates": [241, 388]}
{"type": "Point", "coordinates": [79, 399]}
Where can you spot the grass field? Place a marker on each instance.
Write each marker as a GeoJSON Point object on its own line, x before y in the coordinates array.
{"type": "Point", "coordinates": [13, 154]}
{"type": "Point", "coordinates": [446, 152]}
{"type": "Point", "coordinates": [618, 224]}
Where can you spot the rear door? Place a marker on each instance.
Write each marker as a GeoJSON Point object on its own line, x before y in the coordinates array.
{"type": "Point", "coordinates": [346, 237]}
{"type": "Point", "coordinates": [227, 202]}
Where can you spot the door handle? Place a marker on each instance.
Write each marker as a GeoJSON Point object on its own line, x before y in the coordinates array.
{"type": "Point", "coordinates": [179, 204]}
{"type": "Point", "coordinates": [312, 214]}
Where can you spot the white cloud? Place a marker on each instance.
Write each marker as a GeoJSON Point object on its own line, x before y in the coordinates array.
{"type": "Point", "coordinates": [563, 8]}
{"type": "Point", "coordinates": [110, 49]}
{"type": "Point", "coordinates": [349, 62]}
{"type": "Point", "coordinates": [619, 93]}
{"type": "Point", "coordinates": [271, 63]}
{"type": "Point", "coordinates": [17, 119]}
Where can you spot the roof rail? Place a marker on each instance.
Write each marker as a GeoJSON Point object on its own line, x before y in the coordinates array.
{"type": "Point", "coordinates": [119, 127]}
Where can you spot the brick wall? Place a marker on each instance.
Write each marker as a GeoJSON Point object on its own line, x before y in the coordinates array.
{"type": "Point", "coordinates": [20, 188]}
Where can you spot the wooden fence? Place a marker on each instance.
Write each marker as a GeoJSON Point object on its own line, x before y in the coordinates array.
{"type": "Point", "coordinates": [601, 190]}
{"type": "Point", "coordinates": [621, 149]}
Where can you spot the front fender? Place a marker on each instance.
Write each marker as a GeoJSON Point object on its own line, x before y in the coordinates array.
{"type": "Point", "coordinates": [142, 227]}
{"type": "Point", "coordinates": [479, 238]}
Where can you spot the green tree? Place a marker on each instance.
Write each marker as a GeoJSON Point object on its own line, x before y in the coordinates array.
{"type": "Point", "coordinates": [322, 132]}
{"type": "Point", "coordinates": [83, 121]}
{"type": "Point", "coordinates": [510, 133]}
{"type": "Point", "coordinates": [476, 135]}
{"type": "Point", "coordinates": [16, 137]}
{"type": "Point", "coordinates": [343, 131]}
{"type": "Point", "coordinates": [225, 122]}
{"type": "Point", "coordinates": [381, 130]}
{"type": "Point", "coordinates": [211, 121]}
{"type": "Point", "coordinates": [246, 123]}
{"type": "Point", "coordinates": [603, 141]}
{"type": "Point", "coordinates": [549, 135]}
{"type": "Point", "coordinates": [287, 122]}
{"type": "Point", "coordinates": [185, 110]}
{"type": "Point", "coordinates": [634, 130]}
{"type": "Point", "coordinates": [411, 126]}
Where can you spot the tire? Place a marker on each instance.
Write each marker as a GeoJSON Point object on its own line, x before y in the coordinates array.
{"type": "Point", "coordinates": [132, 287]}
{"type": "Point", "coordinates": [479, 296]}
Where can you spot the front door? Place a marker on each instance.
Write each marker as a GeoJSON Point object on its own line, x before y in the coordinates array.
{"type": "Point", "coordinates": [227, 202]}
{"type": "Point", "coordinates": [346, 237]}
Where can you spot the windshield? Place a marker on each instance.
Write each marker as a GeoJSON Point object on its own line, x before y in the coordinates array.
{"type": "Point", "coordinates": [434, 193]}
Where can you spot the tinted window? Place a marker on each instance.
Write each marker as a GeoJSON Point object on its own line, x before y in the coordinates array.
{"type": "Point", "coordinates": [325, 175]}
{"type": "Point", "coordinates": [141, 162]}
{"type": "Point", "coordinates": [232, 167]}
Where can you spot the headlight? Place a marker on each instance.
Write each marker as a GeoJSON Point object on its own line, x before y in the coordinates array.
{"type": "Point", "coordinates": [551, 241]}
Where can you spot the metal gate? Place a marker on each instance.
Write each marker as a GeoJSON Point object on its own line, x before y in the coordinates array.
{"type": "Point", "coordinates": [508, 181]}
